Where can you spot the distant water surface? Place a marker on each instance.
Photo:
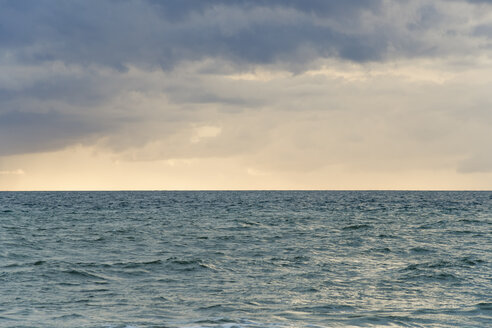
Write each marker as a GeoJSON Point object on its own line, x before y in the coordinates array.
{"type": "Point", "coordinates": [246, 259]}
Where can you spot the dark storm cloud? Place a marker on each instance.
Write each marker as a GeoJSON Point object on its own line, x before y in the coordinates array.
{"type": "Point", "coordinates": [161, 33]}
{"type": "Point", "coordinates": [178, 9]}
{"type": "Point", "coordinates": [79, 91]}
{"type": "Point", "coordinates": [22, 132]}
{"type": "Point", "coordinates": [487, 2]}
{"type": "Point", "coordinates": [484, 30]}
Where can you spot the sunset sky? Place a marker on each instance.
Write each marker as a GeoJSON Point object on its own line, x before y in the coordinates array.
{"type": "Point", "coordinates": [268, 94]}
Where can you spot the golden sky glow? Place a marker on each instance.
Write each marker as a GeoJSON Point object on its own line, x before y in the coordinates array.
{"type": "Point", "coordinates": [80, 168]}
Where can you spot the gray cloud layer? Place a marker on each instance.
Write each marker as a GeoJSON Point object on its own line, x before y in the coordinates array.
{"type": "Point", "coordinates": [82, 71]}
{"type": "Point", "coordinates": [162, 33]}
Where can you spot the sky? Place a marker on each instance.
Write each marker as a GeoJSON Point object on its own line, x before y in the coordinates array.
{"type": "Point", "coordinates": [236, 94]}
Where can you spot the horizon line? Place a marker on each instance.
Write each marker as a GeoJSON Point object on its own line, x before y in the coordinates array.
{"type": "Point", "coordinates": [233, 190]}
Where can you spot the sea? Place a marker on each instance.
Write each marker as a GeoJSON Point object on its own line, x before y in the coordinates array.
{"type": "Point", "coordinates": [246, 259]}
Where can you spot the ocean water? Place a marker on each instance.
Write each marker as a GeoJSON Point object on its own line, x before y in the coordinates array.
{"type": "Point", "coordinates": [246, 259]}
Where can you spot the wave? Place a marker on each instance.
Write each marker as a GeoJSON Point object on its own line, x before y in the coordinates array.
{"type": "Point", "coordinates": [83, 274]}
{"type": "Point", "coordinates": [357, 227]}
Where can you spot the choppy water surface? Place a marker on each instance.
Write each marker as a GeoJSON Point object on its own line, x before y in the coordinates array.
{"type": "Point", "coordinates": [245, 259]}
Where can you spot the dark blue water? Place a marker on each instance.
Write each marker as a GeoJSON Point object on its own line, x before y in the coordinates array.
{"type": "Point", "coordinates": [246, 259]}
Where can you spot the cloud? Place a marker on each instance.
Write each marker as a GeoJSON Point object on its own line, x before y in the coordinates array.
{"type": "Point", "coordinates": [23, 132]}
{"type": "Point", "coordinates": [280, 84]}
{"type": "Point", "coordinates": [484, 30]}
{"type": "Point", "coordinates": [152, 34]}
{"type": "Point", "coordinates": [478, 163]}
{"type": "Point", "coordinates": [13, 172]}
